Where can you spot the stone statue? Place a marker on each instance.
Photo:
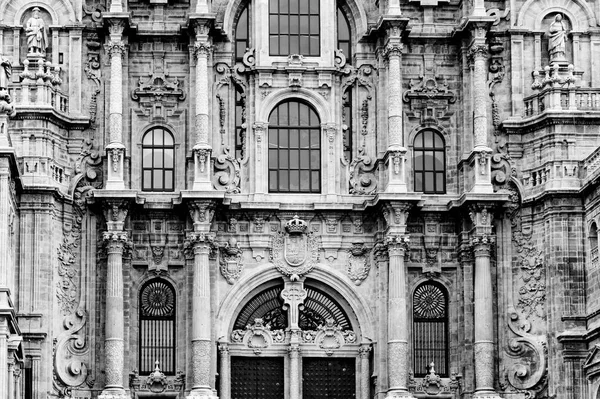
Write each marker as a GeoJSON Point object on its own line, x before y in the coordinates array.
{"type": "Point", "coordinates": [5, 72]}
{"type": "Point", "coordinates": [37, 36]}
{"type": "Point", "coordinates": [557, 38]}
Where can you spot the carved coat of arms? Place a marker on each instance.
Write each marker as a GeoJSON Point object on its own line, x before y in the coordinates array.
{"type": "Point", "coordinates": [295, 252]}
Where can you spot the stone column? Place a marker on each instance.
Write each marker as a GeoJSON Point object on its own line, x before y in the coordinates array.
{"type": "Point", "coordinates": [484, 317]}
{"type": "Point", "coordinates": [396, 152]}
{"type": "Point", "coordinates": [115, 149]}
{"type": "Point", "coordinates": [481, 155]}
{"type": "Point", "coordinates": [397, 317]}
{"type": "Point", "coordinates": [294, 351]}
{"type": "Point", "coordinates": [202, 149]}
{"type": "Point", "coordinates": [11, 377]}
{"type": "Point", "coordinates": [225, 372]}
{"type": "Point", "coordinates": [201, 316]}
{"type": "Point", "coordinates": [261, 171]}
{"type": "Point", "coordinates": [114, 320]}
{"type": "Point", "coordinates": [365, 371]}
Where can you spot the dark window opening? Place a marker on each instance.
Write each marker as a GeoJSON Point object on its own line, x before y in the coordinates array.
{"type": "Point", "coordinates": [240, 123]}
{"type": "Point", "coordinates": [157, 327]}
{"type": "Point", "coordinates": [294, 27]}
{"type": "Point", "coordinates": [294, 149]}
{"type": "Point", "coordinates": [242, 35]}
{"type": "Point", "coordinates": [344, 41]}
{"type": "Point", "coordinates": [158, 168]}
{"type": "Point", "coordinates": [430, 329]}
{"type": "Point", "coordinates": [429, 163]}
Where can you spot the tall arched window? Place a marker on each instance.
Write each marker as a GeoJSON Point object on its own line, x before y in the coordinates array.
{"type": "Point", "coordinates": [242, 35]}
{"type": "Point", "coordinates": [294, 149]}
{"type": "Point", "coordinates": [294, 27]}
{"type": "Point", "coordinates": [157, 306]}
{"type": "Point", "coordinates": [429, 162]}
{"type": "Point", "coordinates": [344, 41]}
{"type": "Point", "coordinates": [430, 329]}
{"type": "Point", "coordinates": [158, 151]}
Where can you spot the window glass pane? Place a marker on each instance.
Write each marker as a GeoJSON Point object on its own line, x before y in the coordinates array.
{"type": "Point", "coordinates": [439, 183]}
{"type": "Point", "coordinates": [418, 160]}
{"type": "Point", "coordinates": [314, 6]}
{"type": "Point", "coordinates": [345, 47]}
{"type": "Point", "coordinates": [419, 181]}
{"type": "Point", "coordinates": [419, 140]}
{"type": "Point", "coordinates": [294, 180]}
{"type": "Point", "coordinates": [343, 31]}
{"type": "Point", "coordinates": [429, 182]}
{"type": "Point", "coordinates": [303, 24]}
{"type": "Point", "coordinates": [272, 180]}
{"type": "Point", "coordinates": [273, 6]}
{"type": "Point", "coordinates": [240, 48]}
{"type": "Point", "coordinates": [283, 115]}
{"type": "Point", "coordinates": [293, 114]}
{"type": "Point", "coordinates": [439, 160]}
{"type": "Point", "coordinates": [303, 6]}
{"type": "Point", "coordinates": [273, 138]}
{"type": "Point", "coordinates": [304, 139]}
{"type": "Point", "coordinates": [304, 49]}
{"type": "Point", "coordinates": [315, 182]}
{"type": "Point", "coordinates": [314, 24]}
{"type": "Point", "coordinates": [304, 121]}
{"type": "Point", "coordinates": [273, 44]}
{"type": "Point", "coordinates": [438, 141]}
{"type": "Point", "coordinates": [273, 121]}
{"type": "Point", "coordinates": [314, 45]}
{"type": "Point", "coordinates": [158, 136]}
{"type": "Point", "coordinates": [294, 138]}
{"type": "Point", "coordinates": [157, 179]}
{"type": "Point", "coordinates": [168, 158]}
{"type": "Point", "coordinates": [284, 45]}
{"type": "Point", "coordinates": [147, 139]}
{"type": "Point", "coordinates": [304, 159]}
{"type": "Point", "coordinates": [147, 158]}
{"type": "Point", "coordinates": [273, 159]}
{"type": "Point", "coordinates": [283, 24]}
{"type": "Point", "coordinates": [168, 180]}
{"type": "Point", "coordinates": [314, 138]}
{"type": "Point", "coordinates": [283, 159]}
{"type": "Point", "coordinates": [273, 26]}
{"type": "Point", "coordinates": [294, 45]}
{"type": "Point", "coordinates": [294, 25]}
{"type": "Point", "coordinates": [283, 6]}
{"type": "Point", "coordinates": [147, 185]}
{"type": "Point", "coordinates": [242, 25]}
{"type": "Point", "coordinates": [428, 138]}
{"type": "Point", "coordinates": [428, 160]}
{"type": "Point", "coordinates": [283, 138]}
{"type": "Point", "coordinates": [304, 180]}
{"type": "Point", "coordinates": [168, 138]}
{"type": "Point", "coordinates": [294, 159]}
{"type": "Point", "coordinates": [314, 159]}
{"type": "Point", "coordinates": [283, 180]}
{"type": "Point", "coordinates": [158, 158]}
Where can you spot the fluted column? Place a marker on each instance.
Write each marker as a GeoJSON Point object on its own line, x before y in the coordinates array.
{"type": "Point", "coordinates": [365, 377]}
{"type": "Point", "coordinates": [294, 351]}
{"type": "Point", "coordinates": [484, 317]}
{"type": "Point", "coordinates": [397, 317]}
{"type": "Point", "coordinates": [480, 159]}
{"type": "Point", "coordinates": [201, 316]}
{"type": "Point", "coordinates": [225, 372]}
{"type": "Point", "coordinates": [115, 148]}
{"type": "Point", "coordinates": [396, 152]}
{"type": "Point", "coordinates": [114, 320]}
{"type": "Point", "coordinates": [202, 149]}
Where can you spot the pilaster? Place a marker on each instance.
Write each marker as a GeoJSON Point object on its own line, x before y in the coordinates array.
{"type": "Point", "coordinates": [225, 371]}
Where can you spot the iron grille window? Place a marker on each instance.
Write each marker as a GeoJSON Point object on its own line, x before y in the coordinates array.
{"type": "Point", "coordinates": [429, 163]}
{"type": "Point", "coordinates": [294, 149]}
{"type": "Point", "coordinates": [294, 27]}
{"type": "Point", "coordinates": [343, 35]}
{"type": "Point", "coordinates": [242, 35]}
{"type": "Point", "coordinates": [430, 329]}
{"type": "Point", "coordinates": [158, 151]}
{"type": "Point", "coordinates": [157, 327]}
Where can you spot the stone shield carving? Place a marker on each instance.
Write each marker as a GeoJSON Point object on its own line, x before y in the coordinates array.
{"type": "Point", "coordinates": [295, 252]}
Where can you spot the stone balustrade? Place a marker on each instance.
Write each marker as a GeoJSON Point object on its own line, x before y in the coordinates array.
{"type": "Point", "coordinates": [562, 99]}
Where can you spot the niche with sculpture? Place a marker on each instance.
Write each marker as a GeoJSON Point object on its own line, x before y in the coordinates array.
{"type": "Point", "coordinates": [556, 46]}
{"type": "Point", "coordinates": [35, 38]}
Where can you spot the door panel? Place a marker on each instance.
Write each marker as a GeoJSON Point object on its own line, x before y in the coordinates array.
{"type": "Point", "coordinates": [256, 378]}
{"type": "Point", "coordinates": [328, 378]}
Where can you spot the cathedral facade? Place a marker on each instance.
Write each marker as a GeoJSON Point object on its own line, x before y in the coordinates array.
{"type": "Point", "coordinates": [291, 199]}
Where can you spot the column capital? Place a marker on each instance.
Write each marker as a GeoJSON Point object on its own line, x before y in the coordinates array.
{"type": "Point", "coordinates": [115, 241]}
{"type": "Point", "coordinates": [202, 49]}
{"type": "Point", "coordinates": [397, 245]}
{"type": "Point", "coordinates": [393, 49]}
{"type": "Point", "coordinates": [115, 212]}
{"type": "Point", "coordinates": [115, 48]}
{"type": "Point", "coordinates": [201, 213]}
{"type": "Point", "coordinates": [294, 350]}
{"type": "Point", "coordinates": [482, 244]}
{"type": "Point", "coordinates": [363, 351]}
{"type": "Point", "coordinates": [481, 216]}
{"type": "Point", "coordinates": [396, 215]}
{"type": "Point", "coordinates": [477, 51]}
{"type": "Point", "coordinates": [223, 348]}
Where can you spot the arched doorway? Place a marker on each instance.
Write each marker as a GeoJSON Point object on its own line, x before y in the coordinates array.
{"type": "Point", "coordinates": [267, 357]}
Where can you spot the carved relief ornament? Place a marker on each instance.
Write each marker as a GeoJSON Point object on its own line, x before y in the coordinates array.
{"type": "Point", "coordinates": [296, 251]}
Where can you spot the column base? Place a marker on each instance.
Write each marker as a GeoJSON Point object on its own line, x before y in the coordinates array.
{"type": "Point", "coordinates": [399, 394]}
{"type": "Point", "coordinates": [201, 393]}
{"type": "Point", "coordinates": [114, 394]}
{"type": "Point", "coordinates": [486, 395]}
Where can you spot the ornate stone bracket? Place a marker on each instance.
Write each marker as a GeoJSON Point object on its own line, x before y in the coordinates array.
{"type": "Point", "coordinates": [433, 384]}
{"type": "Point", "coordinates": [157, 383]}
{"type": "Point", "coordinates": [363, 179]}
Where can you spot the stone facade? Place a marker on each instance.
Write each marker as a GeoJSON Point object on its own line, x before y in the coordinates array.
{"type": "Point", "coordinates": [507, 231]}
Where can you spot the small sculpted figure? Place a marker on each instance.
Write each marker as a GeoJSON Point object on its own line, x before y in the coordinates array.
{"type": "Point", "coordinates": [37, 36]}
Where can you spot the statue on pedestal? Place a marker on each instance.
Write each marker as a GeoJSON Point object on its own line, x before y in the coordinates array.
{"type": "Point", "coordinates": [557, 38]}
{"type": "Point", "coordinates": [5, 72]}
{"type": "Point", "coordinates": [37, 36]}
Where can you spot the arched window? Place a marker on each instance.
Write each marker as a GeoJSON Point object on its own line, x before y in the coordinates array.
{"type": "Point", "coordinates": [294, 27]}
{"type": "Point", "coordinates": [242, 35]}
{"type": "Point", "coordinates": [429, 162]}
{"type": "Point", "coordinates": [294, 149]}
{"type": "Point", "coordinates": [593, 239]}
{"type": "Point", "coordinates": [157, 306]}
{"type": "Point", "coordinates": [158, 151]}
{"type": "Point", "coordinates": [344, 41]}
{"type": "Point", "coordinates": [430, 329]}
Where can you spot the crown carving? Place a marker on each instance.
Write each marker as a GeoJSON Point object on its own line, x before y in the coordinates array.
{"type": "Point", "coordinates": [296, 226]}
